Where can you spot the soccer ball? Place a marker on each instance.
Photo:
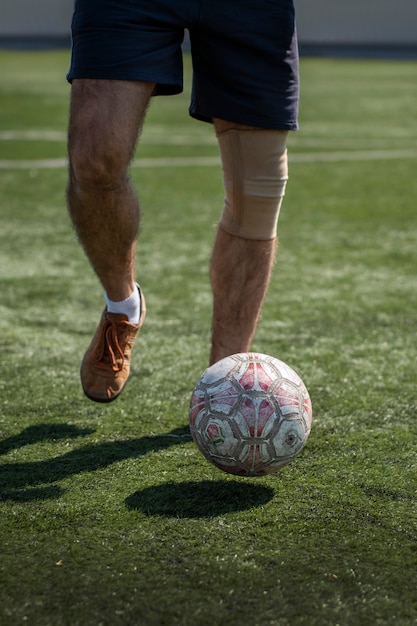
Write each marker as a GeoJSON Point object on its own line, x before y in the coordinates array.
{"type": "Point", "coordinates": [250, 414]}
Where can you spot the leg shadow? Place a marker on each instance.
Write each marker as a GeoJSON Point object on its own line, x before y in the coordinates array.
{"type": "Point", "coordinates": [36, 480]}
{"type": "Point", "coordinates": [42, 432]}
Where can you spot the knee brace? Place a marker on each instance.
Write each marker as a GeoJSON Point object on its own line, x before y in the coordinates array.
{"type": "Point", "coordinates": [255, 173]}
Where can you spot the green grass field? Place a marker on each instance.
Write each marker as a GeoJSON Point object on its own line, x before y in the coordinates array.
{"type": "Point", "coordinates": [109, 514]}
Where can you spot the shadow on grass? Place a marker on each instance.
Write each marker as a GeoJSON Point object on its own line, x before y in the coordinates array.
{"type": "Point", "coordinates": [42, 432]}
{"type": "Point", "coordinates": [193, 499]}
{"type": "Point", "coordinates": [35, 480]}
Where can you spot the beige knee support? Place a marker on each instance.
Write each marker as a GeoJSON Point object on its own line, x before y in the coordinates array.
{"type": "Point", "coordinates": [255, 173]}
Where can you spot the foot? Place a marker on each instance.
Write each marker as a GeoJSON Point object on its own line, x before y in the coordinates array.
{"type": "Point", "coordinates": [106, 364]}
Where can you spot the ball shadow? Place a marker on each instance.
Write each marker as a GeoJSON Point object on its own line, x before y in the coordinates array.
{"type": "Point", "coordinates": [198, 499]}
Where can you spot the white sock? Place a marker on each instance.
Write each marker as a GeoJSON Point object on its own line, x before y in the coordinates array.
{"type": "Point", "coordinates": [130, 306]}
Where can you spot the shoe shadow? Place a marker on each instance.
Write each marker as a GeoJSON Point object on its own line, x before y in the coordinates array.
{"type": "Point", "coordinates": [36, 480]}
{"type": "Point", "coordinates": [208, 498]}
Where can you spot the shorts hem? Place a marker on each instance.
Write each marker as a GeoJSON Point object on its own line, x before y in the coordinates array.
{"type": "Point", "coordinates": [246, 120]}
{"type": "Point", "coordinates": [161, 89]}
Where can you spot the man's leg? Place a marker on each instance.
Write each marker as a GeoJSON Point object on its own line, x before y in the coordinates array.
{"type": "Point", "coordinates": [240, 275]}
{"type": "Point", "coordinates": [105, 120]}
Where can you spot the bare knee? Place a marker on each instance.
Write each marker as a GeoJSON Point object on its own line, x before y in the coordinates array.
{"type": "Point", "coordinates": [97, 175]}
{"type": "Point", "coordinates": [103, 131]}
{"type": "Point", "coordinates": [95, 161]}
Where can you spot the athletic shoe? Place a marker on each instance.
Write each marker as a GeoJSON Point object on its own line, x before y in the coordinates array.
{"type": "Point", "coordinates": [106, 364]}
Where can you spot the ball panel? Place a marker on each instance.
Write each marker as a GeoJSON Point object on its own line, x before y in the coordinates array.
{"type": "Point", "coordinates": [250, 414]}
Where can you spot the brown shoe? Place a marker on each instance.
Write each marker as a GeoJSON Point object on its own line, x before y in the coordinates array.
{"type": "Point", "coordinates": [106, 364]}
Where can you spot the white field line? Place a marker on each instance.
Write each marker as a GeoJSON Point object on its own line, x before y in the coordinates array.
{"type": "Point", "coordinates": [161, 138]}
{"type": "Point", "coordinates": [206, 161]}
{"type": "Point", "coordinates": [189, 139]}
{"type": "Point", "coordinates": [147, 138]}
{"type": "Point", "coordinates": [354, 155]}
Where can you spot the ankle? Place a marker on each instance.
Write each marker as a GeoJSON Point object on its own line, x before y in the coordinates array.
{"type": "Point", "coordinates": [130, 306]}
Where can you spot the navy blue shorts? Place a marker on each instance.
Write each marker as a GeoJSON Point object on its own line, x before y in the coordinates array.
{"type": "Point", "coordinates": [245, 56]}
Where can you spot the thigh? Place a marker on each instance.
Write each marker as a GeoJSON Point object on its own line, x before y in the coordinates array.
{"type": "Point", "coordinates": [246, 63]}
{"type": "Point", "coordinates": [222, 126]}
{"type": "Point", "coordinates": [106, 117]}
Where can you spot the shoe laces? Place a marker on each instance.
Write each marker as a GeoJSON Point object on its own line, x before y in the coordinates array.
{"type": "Point", "coordinates": [109, 354]}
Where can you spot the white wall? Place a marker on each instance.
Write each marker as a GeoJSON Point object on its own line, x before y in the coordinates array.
{"type": "Point", "coordinates": [381, 22]}
{"type": "Point", "coordinates": [35, 17]}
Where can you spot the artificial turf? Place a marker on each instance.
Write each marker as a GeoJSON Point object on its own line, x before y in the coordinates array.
{"type": "Point", "coordinates": [109, 514]}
